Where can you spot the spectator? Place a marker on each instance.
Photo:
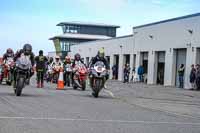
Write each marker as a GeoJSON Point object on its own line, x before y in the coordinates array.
{"type": "Point", "coordinates": [126, 73]}
{"type": "Point", "coordinates": [133, 76]}
{"type": "Point", "coordinates": [140, 73]}
{"type": "Point", "coordinates": [192, 76]}
{"type": "Point", "coordinates": [198, 77]}
{"type": "Point", "coordinates": [114, 72]}
{"type": "Point", "coordinates": [181, 71]}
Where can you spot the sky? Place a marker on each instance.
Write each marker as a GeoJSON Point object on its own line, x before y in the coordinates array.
{"type": "Point", "coordinates": [34, 21]}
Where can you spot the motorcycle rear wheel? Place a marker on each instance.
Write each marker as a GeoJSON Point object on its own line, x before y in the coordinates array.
{"type": "Point", "coordinates": [83, 85]}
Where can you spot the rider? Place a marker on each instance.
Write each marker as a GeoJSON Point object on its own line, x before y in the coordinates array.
{"type": "Point", "coordinates": [100, 57]}
{"type": "Point", "coordinates": [40, 68]}
{"type": "Point", "coordinates": [77, 59]}
{"type": "Point", "coordinates": [27, 51]}
{"type": "Point", "coordinates": [9, 54]}
{"type": "Point", "coordinates": [57, 62]}
{"type": "Point", "coordinates": [66, 62]}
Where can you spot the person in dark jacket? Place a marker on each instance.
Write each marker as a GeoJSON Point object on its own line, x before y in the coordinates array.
{"type": "Point", "coordinates": [114, 72]}
{"type": "Point", "coordinates": [127, 70]}
{"type": "Point", "coordinates": [192, 76]}
{"type": "Point", "coordinates": [40, 68]}
{"type": "Point", "coordinates": [198, 77]}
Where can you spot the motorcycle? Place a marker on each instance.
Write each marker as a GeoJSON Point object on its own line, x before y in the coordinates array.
{"type": "Point", "coordinates": [8, 69]}
{"type": "Point", "coordinates": [23, 67]}
{"type": "Point", "coordinates": [80, 76]}
{"type": "Point", "coordinates": [98, 75]}
{"type": "Point", "coordinates": [49, 74]}
{"type": "Point", "coordinates": [67, 74]}
{"type": "Point", "coordinates": [56, 72]}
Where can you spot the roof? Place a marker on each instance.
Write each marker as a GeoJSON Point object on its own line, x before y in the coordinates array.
{"type": "Point", "coordinates": [88, 24]}
{"type": "Point", "coordinates": [125, 36]}
{"type": "Point", "coordinates": [81, 36]}
{"type": "Point", "coordinates": [168, 20]}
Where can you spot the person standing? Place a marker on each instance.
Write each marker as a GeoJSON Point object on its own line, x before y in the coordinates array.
{"type": "Point", "coordinates": [192, 76]}
{"type": "Point", "coordinates": [114, 71]}
{"type": "Point", "coordinates": [40, 68]}
{"type": "Point", "coordinates": [181, 72]}
{"type": "Point", "coordinates": [140, 73]}
{"type": "Point", "coordinates": [198, 77]}
{"type": "Point", "coordinates": [126, 73]}
{"type": "Point", "coordinates": [133, 76]}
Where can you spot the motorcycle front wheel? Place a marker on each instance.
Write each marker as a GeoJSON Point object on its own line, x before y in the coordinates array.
{"type": "Point", "coordinates": [19, 86]}
{"type": "Point", "coordinates": [97, 88]}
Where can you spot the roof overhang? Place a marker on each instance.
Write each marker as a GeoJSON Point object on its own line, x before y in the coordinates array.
{"type": "Point", "coordinates": [88, 24]}
{"type": "Point", "coordinates": [80, 36]}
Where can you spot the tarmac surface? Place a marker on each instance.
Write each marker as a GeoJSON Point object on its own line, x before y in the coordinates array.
{"type": "Point", "coordinates": [135, 108]}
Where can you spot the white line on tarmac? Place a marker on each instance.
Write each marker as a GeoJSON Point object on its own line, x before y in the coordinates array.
{"type": "Point", "coordinates": [99, 121]}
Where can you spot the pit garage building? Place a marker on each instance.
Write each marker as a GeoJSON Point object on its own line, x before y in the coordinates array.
{"type": "Point", "coordinates": [160, 47]}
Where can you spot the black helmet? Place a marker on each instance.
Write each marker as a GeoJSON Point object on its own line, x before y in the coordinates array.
{"type": "Point", "coordinates": [27, 49]}
{"type": "Point", "coordinates": [77, 57]}
{"type": "Point", "coordinates": [51, 59]}
{"type": "Point", "coordinates": [9, 52]}
{"type": "Point", "coordinates": [41, 52]}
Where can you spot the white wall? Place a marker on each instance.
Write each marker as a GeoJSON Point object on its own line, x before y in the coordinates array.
{"type": "Point", "coordinates": [167, 37]}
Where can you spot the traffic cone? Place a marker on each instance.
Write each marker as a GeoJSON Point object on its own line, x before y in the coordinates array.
{"type": "Point", "coordinates": [60, 84]}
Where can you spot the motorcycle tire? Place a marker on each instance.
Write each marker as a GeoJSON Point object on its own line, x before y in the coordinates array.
{"type": "Point", "coordinates": [83, 85]}
{"type": "Point", "coordinates": [67, 82]}
{"type": "Point", "coordinates": [75, 87]}
{"type": "Point", "coordinates": [8, 83]}
{"type": "Point", "coordinates": [97, 88]}
{"type": "Point", "coordinates": [20, 85]}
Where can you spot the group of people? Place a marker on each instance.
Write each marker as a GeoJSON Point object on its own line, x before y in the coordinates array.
{"type": "Point", "coordinates": [42, 63]}
{"type": "Point", "coordinates": [127, 71]}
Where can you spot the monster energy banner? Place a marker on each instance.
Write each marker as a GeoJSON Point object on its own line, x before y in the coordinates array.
{"type": "Point", "coordinates": [57, 46]}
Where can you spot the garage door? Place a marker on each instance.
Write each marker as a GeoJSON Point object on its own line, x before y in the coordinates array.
{"type": "Point", "coordinates": [180, 59]}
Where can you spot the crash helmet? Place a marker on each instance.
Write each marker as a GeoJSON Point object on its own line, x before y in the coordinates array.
{"type": "Point", "coordinates": [68, 59]}
{"type": "Point", "coordinates": [9, 52]}
{"type": "Point", "coordinates": [77, 57]}
{"type": "Point", "coordinates": [27, 49]}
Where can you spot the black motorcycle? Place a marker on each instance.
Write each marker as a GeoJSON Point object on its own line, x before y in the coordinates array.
{"type": "Point", "coordinates": [23, 67]}
{"type": "Point", "coordinates": [98, 76]}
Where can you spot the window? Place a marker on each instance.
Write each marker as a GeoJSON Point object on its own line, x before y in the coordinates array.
{"type": "Point", "coordinates": [65, 45]}
{"type": "Point", "coordinates": [71, 29]}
